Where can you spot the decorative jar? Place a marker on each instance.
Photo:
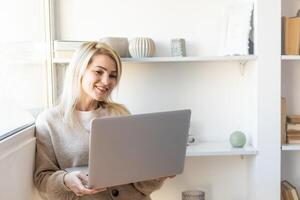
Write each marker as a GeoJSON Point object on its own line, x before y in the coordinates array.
{"type": "Point", "coordinates": [237, 139]}
{"type": "Point", "coordinates": [141, 47]}
{"type": "Point", "coordinates": [193, 195]}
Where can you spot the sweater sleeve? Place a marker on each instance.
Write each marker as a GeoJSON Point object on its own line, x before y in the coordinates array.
{"type": "Point", "coordinates": [48, 177]}
{"type": "Point", "coordinates": [147, 187]}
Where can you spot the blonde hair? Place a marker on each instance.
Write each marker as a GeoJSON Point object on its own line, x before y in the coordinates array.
{"type": "Point", "coordinates": [72, 83]}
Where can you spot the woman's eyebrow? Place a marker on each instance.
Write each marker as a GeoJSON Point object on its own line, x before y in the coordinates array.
{"type": "Point", "coordinates": [101, 67]}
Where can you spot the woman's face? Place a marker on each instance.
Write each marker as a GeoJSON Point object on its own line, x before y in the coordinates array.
{"type": "Point", "coordinates": [100, 78]}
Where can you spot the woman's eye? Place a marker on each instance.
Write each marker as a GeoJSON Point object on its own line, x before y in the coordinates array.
{"type": "Point", "coordinates": [99, 72]}
{"type": "Point", "coordinates": [113, 76]}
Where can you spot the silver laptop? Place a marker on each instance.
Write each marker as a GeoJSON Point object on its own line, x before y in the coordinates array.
{"type": "Point", "coordinates": [135, 148]}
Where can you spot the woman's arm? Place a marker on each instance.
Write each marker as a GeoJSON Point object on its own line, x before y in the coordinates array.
{"type": "Point", "coordinates": [48, 177]}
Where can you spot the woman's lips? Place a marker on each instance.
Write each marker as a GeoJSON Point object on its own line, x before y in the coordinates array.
{"type": "Point", "coordinates": [102, 89]}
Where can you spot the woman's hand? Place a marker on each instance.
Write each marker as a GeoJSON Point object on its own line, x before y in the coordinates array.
{"type": "Point", "coordinates": [77, 182]}
{"type": "Point", "coordinates": [164, 178]}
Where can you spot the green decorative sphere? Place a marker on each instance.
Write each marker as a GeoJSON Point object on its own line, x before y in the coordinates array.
{"type": "Point", "coordinates": [237, 139]}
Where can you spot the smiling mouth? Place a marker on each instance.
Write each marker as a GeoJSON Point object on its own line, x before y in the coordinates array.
{"type": "Point", "coordinates": [102, 89]}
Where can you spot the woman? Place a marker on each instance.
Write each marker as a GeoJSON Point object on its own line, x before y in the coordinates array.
{"type": "Point", "coordinates": [63, 131]}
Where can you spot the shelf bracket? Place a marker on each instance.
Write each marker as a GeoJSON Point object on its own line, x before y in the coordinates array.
{"type": "Point", "coordinates": [242, 64]}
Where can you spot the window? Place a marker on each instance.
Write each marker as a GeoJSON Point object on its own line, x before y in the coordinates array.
{"type": "Point", "coordinates": [23, 74]}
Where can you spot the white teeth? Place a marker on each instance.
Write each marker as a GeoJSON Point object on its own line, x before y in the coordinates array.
{"type": "Point", "coordinates": [102, 89]}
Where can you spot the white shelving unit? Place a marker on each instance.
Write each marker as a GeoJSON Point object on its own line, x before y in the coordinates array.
{"type": "Point", "coordinates": [290, 147]}
{"type": "Point", "coordinates": [290, 57]}
{"type": "Point", "coordinates": [221, 98]}
{"type": "Point", "coordinates": [290, 84]}
{"type": "Point", "coordinates": [176, 59]}
{"type": "Point", "coordinates": [219, 149]}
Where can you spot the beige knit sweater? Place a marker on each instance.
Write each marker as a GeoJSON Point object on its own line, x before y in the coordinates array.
{"type": "Point", "coordinates": [60, 146]}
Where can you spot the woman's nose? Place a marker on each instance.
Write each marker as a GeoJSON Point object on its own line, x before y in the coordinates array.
{"type": "Point", "coordinates": [105, 79]}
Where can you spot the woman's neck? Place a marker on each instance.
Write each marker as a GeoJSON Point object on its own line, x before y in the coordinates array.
{"type": "Point", "coordinates": [87, 105]}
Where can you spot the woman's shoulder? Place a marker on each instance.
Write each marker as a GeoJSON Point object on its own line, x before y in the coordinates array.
{"type": "Point", "coordinates": [48, 115]}
{"type": "Point", "coordinates": [117, 109]}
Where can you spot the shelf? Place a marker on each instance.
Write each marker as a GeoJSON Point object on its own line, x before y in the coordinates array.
{"type": "Point", "coordinates": [290, 147]}
{"type": "Point", "coordinates": [218, 149]}
{"type": "Point", "coordinates": [191, 59]}
{"type": "Point", "coordinates": [176, 59]}
{"type": "Point", "coordinates": [290, 57]}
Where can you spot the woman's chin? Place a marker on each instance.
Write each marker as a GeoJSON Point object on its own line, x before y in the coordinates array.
{"type": "Point", "coordinates": [100, 98]}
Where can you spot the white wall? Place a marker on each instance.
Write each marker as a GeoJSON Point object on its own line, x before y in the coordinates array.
{"type": "Point", "coordinates": [217, 93]}
{"type": "Point", "coordinates": [221, 99]}
{"type": "Point", "coordinates": [198, 21]}
{"type": "Point", "coordinates": [289, 8]}
{"type": "Point", "coordinates": [219, 177]}
{"type": "Point", "coordinates": [290, 167]}
{"type": "Point", "coordinates": [291, 86]}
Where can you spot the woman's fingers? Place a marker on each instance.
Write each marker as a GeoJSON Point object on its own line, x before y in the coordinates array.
{"type": "Point", "coordinates": [164, 178]}
{"type": "Point", "coordinates": [76, 181]}
{"type": "Point", "coordinates": [84, 191]}
{"type": "Point", "coordinates": [79, 188]}
{"type": "Point", "coordinates": [99, 190]}
{"type": "Point", "coordinates": [161, 179]}
{"type": "Point", "coordinates": [84, 178]}
{"type": "Point", "coordinates": [84, 181]}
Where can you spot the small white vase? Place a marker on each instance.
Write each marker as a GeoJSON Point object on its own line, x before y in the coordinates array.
{"type": "Point", "coordinates": [120, 44]}
{"type": "Point", "coordinates": [141, 47]}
